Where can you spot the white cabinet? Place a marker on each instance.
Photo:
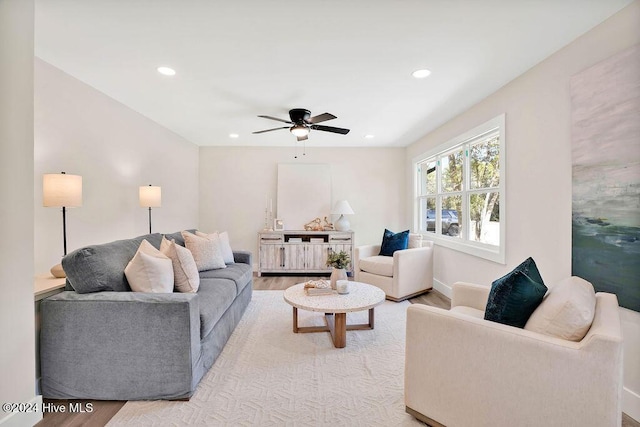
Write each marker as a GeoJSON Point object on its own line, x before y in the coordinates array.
{"type": "Point", "coordinates": [301, 251]}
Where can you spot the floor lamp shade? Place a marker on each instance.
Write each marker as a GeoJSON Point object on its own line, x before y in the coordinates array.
{"type": "Point", "coordinates": [61, 190]}
{"type": "Point", "coordinates": [150, 196]}
{"type": "Point", "coordinates": [342, 208]}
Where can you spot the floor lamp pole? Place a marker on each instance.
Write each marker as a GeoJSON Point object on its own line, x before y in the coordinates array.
{"type": "Point", "coordinates": [64, 229]}
{"type": "Point", "coordinates": [149, 219]}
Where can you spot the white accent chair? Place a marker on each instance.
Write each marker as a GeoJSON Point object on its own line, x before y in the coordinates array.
{"type": "Point", "coordinates": [406, 274]}
{"type": "Point", "coordinates": [462, 370]}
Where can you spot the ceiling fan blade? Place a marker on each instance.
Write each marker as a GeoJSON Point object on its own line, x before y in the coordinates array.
{"type": "Point", "coordinates": [321, 118]}
{"type": "Point", "coordinates": [269, 130]}
{"type": "Point", "coordinates": [302, 138]}
{"type": "Point", "coordinates": [277, 119]}
{"type": "Point", "coordinates": [330, 129]}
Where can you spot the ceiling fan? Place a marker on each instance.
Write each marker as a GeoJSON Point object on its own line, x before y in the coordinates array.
{"type": "Point", "coordinates": [301, 123]}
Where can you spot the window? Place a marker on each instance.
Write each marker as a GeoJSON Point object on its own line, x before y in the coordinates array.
{"type": "Point", "coordinates": [459, 192]}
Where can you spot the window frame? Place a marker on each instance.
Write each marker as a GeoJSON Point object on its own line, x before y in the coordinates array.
{"type": "Point", "coordinates": [463, 244]}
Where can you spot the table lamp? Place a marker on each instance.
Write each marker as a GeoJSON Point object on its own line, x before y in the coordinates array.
{"type": "Point", "coordinates": [342, 208]}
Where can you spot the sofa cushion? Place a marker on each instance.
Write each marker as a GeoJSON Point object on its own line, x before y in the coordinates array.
{"type": "Point", "coordinates": [206, 251]}
{"type": "Point", "coordinates": [567, 311]}
{"type": "Point", "coordinates": [392, 242]}
{"type": "Point", "coordinates": [516, 295]}
{"type": "Point", "coordinates": [379, 265]}
{"type": "Point", "coordinates": [215, 296]}
{"type": "Point", "coordinates": [223, 241]}
{"type": "Point", "coordinates": [98, 268]}
{"type": "Point", "coordinates": [177, 236]}
{"type": "Point", "coordinates": [149, 270]}
{"type": "Point", "coordinates": [415, 241]}
{"type": "Point", "coordinates": [185, 270]}
{"type": "Point", "coordinates": [241, 274]}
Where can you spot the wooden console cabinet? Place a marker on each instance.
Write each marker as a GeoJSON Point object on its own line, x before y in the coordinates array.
{"type": "Point", "coordinates": [294, 251]}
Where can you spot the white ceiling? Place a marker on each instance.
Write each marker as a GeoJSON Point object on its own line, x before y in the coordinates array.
{"type": "Point", "coordinates": [353, 58]}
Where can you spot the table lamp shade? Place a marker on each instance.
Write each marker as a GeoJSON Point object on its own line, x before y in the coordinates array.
{"type": "Point", "coordinates": [342, 207]}
{"type": "Point", "coordinates": [61, 189]}
{"type": "Point", "coordinates": [150, 196]}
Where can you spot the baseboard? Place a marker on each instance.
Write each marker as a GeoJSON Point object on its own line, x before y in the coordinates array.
{"type": "Point", "coordinates": [442, 288]}
{"type": "Point", "coordinates": [21, 419]}
{"type": "Point", "coordinates": [631, 404]}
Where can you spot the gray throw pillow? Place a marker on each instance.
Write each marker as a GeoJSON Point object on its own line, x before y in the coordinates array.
{"type": "Point", "coordinates": [98, 268]}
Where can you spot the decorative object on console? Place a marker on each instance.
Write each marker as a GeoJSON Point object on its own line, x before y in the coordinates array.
{"type": "Point", "coordinates": [65, 191]}
{"type": "Point", "coordinates": [314, 225]}
{"type": "Point", "coordinates": [150, 197]}
{"type": "Point", "coordinates": [278, 224]}
{"type": "Point", "coordinates": [339, 261]}
{"type": "Point", "coordinates": [515, 296]}
{"type": "Point", "coordinates": [392, 242]}
{"type": "Point", "coordinates": [328, 226]}
{"type": "Point", "coordinates": [342, 208]}
{"type": "Point", "coordinates": [268, 213]}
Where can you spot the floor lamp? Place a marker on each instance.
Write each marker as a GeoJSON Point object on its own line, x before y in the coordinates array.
{"type": "Point", "coordinates": [65, 191]}
{"type": "Point", "coordinates": [150, 197]}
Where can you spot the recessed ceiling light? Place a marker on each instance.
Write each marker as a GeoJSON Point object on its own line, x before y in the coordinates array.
{"type": "Point", "coordinates": [234, 135]}
{"type": "Point", "coordinates": [167, 71]}
{"type": "Point", "coordinates": [421, 74]}
{"type": "Point", "coordinates": [369, 136]}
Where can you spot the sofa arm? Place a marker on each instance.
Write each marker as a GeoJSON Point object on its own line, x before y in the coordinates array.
{"type": "Point", "coordinates": [243, 257]}
{"type": "Point", "coordinates": [413, 270]}
{"type": "Point", "coordinates": [479, 373]}
{"type": "Point", "coordinates": [365, 251]}
{"type": "Point", "coordinates": [119, 345]}
{"type": "Point", "coordinates": [362, 252]}
{"type": "Point", "coordinates": [470, 295]}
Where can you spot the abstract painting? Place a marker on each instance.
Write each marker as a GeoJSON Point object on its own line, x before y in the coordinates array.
{"type": "Point", "coordinates": [605, 132]}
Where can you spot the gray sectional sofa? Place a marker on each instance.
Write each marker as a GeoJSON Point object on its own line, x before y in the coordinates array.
{"type": "Point", "coordinates": [101, 341]}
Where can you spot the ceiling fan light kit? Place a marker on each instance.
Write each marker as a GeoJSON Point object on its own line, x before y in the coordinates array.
{"type": "Point", "coordinates": [302, 123]}
{"type": "Point", "coordinates": [299, 130]}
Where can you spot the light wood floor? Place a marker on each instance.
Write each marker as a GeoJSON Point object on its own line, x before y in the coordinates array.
{"type": "Point", "coordinates": [103, 411]}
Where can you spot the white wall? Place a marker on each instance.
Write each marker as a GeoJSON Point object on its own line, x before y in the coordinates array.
{"type": "Point", "coordinates": [235, 180]}
{"type": "Point", "coordinates": [81, 131]}
{"type": "Point", "coordinates": [538, 195]}
{"type": "Point", "coordinates": [17, 332]}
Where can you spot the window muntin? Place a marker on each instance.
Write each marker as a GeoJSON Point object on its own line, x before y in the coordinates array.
{"type": "Point", "coordinates": [460, 192]}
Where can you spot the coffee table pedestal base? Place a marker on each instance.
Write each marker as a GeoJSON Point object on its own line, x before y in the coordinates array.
{"type": "Point", "coordinates": [336, 325]}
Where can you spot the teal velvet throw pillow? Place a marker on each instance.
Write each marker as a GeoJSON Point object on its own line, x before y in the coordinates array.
{"type": "Point", "coordinates": [515, 296]}
{"type": "Point", "coordinates": [392, 242]}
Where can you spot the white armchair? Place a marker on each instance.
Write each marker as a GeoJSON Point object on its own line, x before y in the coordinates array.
{"type": "Point", "coordinates": [406, 274]}
{"type": "Point", "coordinates": [462, 370]}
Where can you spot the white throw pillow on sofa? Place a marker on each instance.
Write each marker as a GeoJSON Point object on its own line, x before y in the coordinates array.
{"type": "Point", "coordinates": [566, 311]}
{"type": "Point", "coordinates": [185, 270]}
{"type": "Point", "coordinates": [223, 240]}
{"type": "Point", "coordinates": [206, 251]}
{"type": "Point", "coordinates": [149, 270]}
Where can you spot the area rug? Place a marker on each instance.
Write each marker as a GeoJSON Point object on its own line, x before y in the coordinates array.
{"type": "Point", "coordinates": [268, 376]}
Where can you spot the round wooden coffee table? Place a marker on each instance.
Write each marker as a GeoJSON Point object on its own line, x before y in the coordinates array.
{"type": "Point", "coordinates": [335, 307]}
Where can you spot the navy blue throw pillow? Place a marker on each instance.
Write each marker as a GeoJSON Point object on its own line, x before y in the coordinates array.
{"type": "Point", "coordinates": [392, 242]}
{"type": "Point", "coordinates": [515, 296]}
